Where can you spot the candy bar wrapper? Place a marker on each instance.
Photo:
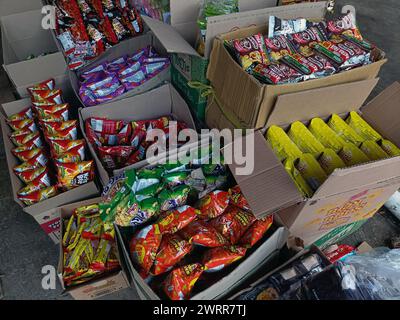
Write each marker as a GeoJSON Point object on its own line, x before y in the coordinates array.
{"type": "Point", "coordinates": [38, 196]}
{"type": "Point", "coordinates": [26, 139]}
{"type": "Point", "coordinates": [277, 47]}
{"type": "Point", "coordinates": [249, 50]}
{"type": "Point", "coordinates": [23, 125]}
{"type": "Point", "coordinates": [278, 73]}
{"type": "Point", "coordinates": [278, 27]}
{"type": "Point", "coordinates": [29, 176]}
{"type": "Point", "coordinates": [59, 112]}
{"type": "Point", "coordinates": [23, 115]}
{"type": "Point", "coordinates": [71, 175]}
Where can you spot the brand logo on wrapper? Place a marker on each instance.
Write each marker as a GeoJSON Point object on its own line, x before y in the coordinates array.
{"type": "Point", "coordinates": [50, 278]}
{"type": "Point", "coordinates": [239, 150]}
{"type": "Point", "coordinates": [49, 19]}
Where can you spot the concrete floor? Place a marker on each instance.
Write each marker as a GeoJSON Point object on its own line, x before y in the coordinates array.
{"type": "Point", "coordinates": [25, 249]}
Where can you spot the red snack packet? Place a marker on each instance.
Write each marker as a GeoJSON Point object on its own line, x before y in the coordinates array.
{"type": "Point", "coordinates": [26, 153]}
{"type": "Point", "coordinates": [26, 139]}
{"type": "Point", "coordinates": [24, 114]}
{"type": "Point", "coordinates": [237, 198]}
{"type": "Point", "coordinates": [23, 125]}
{"type": "Point", "coordinates": [38, 196]}
{"type": "Point", "coordinates": [337, 252]}
{"type": "Point", "coordinates": [55, 97]}
{"type": "Point", "coordinates": [67, 134]}
{"type": "Point", "coordinates": [53, 112]}
{"type": "Point", "coordinates": [138, 135]}
{"type": "Point", "coordinates": [278, 73]}
{"type": "Point", "coordinates": [250, 49]}
{"type": "Point", "coordinates": [59, 147]}
{"type": "Point", "coordinates": [41, 182]}
{"type": "Point", "coordinates": [52, 128]}
{"type": "Point", "coordinates": [24, 167]}
{"type": "Point", "coordinates": [72, 175]}
{"type": "Point", "coordinates": [175, 220]}
{"type": "Point", "coordinates": [213, 205]}
{"type": "Point", "coordinates": [344, 25]}
{"type": "Point", "coordinates": [105, 126]}
{"type": "Point", "coordinates": [114, 157]}
{"type": "Point", "coordinates": [233, 223]}
{"type": "Point", "coordinates": [29, 175]}
{"type": "Point", "coordinates": [217, 259]}
{"type": "Point", "coordinates": [172, 250]}
{"type": "Point", "coordinates": [144, 246]}
{"type": "Point", "coordinates": [45, 85]}
{"type": "Point", "coordinates": [202, 234]}
{"type": "Point", "coordinates": [117, 139]}
{"type": "Point", "coordinates": [45, 94]}
{"type": "Point", "coordinates": [277, 47]}
{"type": "Point", "coordinates": [38, 160]}
{"type": "Point", "coordinates": [74, 155]}
{"type": "Point", "coordinates": [304, 41]}
{"type": "Point", "coordinates": [180, 282]}
{"type": "Point", "coordinates": [256, 231]}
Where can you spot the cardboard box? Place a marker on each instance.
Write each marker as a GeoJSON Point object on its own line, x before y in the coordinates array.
{"type": "Point", "coordinates": [154, 104]}
{"type": "Point", "coordinates": [43, 212]}
{"type": "Point", "coordinates": [350, 194]}
{"type": "Point", "coordinates": [243, 98]}
{"type": "Point", "coordinates": [95, 288]}
{"type": "Point", "coordinates": [8, 7]}
{"type": "Point", "coordinates": [247, 268]}
{"type": "Point", "coordinates": [23, 35]}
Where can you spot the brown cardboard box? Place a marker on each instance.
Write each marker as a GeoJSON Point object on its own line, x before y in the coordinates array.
{"type": "Point", "coordinates": [154, 104]}
{"type": "Point", "coordinates": [244, 98]}
{"type": "Point", "coordinates": [98, 287]}
{"type": "Point", "coordinates": [349, 194]}
{"type": "Point", "coordinates": [43, 212]}
{"type": "Point", "coordinates": [8, 7]}
{"type": "Point", "coordinates": [23, 35]}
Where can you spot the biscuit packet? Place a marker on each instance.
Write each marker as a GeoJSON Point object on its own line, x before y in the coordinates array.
{"type": "Point", "coordinates": [389, 147]}
{"type": "Point", "coordinates": [373, 150]}
{"type": "Point", "coordinates": [281, 144]}
{"type": "Point", "coordinates": [311, 171]}
{"type": "Point", "coordinates": [297, 178]}
{"type": "Point", "coordinates": [344, 131]}
{"type": "Point", "coordinates": [360, 126]}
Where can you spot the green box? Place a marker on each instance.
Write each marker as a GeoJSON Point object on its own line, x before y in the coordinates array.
{"type": "Point", "coordinates": [192, 96]}
{"type": "Point", "coordinates": [338, 234]}
{"type": "Point", "coordinates": [191, 67]}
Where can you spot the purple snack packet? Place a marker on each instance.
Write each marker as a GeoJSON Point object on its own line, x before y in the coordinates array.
{"type": "Point", "coordinates": [117, 64]}
{"type": "Point", "coordinates": [137, 56]}
{"type": "Point", "coordinates": [129, 69]}
{"type": "Point", "coordinates": [119, 91]}
{"type": "Point", "coordinates": [94, 85]}
{"type": "Point", "coordinates": [87, 97]}
{"type": "Point", "coordinates": [153, 69]}
{"type": "Point", "coordinates": [134, 80]}
{"type": "Point", "coordinates": [155, 60]}
{"type": "Point", "coordinates": [151, 53]}
{"type": "Point", "coordinates": [106, 90]}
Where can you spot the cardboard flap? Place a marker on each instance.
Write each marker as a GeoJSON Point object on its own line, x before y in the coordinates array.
{"type": "Point", "coordinates": [268, 188]}
{"type": "Point", "coordinates": [223, 24]}
{"type": "Point", "coordinates": [322, 102]}
{"type": "Point", "coordinates": [170, 39]}
{"type": "Point", "coordinates": [184, 11]}
{"type": "Point", "coordinates": [8, 7]}
{"type": "Point", "coordinates": [383, 113]}
{"type": "Point", "coordinates": [371, 174]}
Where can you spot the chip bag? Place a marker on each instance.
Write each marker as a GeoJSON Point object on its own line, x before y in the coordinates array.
{"type": "Point", "coordinates": [38, 196]}
{"type": "Point", "coordinates": [304, 139]}
{"type": "Point", "coordinates": [237, 198]}
{"type": "Point", "coordinates": [180, 282]}
{"type": "Point", "coordinates": [233, 223]}
{"type": "Point", "coordinates": [256, 231]}
{"type": "Point", "coordinates": [297, 178]}
{"type": "Point", "coordinates": [144, 246]}
{"type": "Point", "coordinates": [29, 176]}
{"type": "Point", "coordinates": [389, 147]}
{"type": "Point", "coordinates": [249, 50]}
{"type": "Point", "coordinates": [344, 130]}
{"type": "Point", "coordinates": [360, 126]}
{"type": "Point", "coordinates": [175, 220]}
{"type": "Point", "coordinates": [311, 171]}
{"type": "Point", "coordinates": [172, 250]}
{"type": "Point", "coordinates": [24, 114]}
{"type": "Point", "coordinates": [281, 144]}
{"type": "Point", "coordinates": [202, 234]}
{"type": "Point", "coordinates": [213, 205]}
{"type": "Point", "coordinates": [72, 175]}
{"type": "Point", "coordinates": [26, 139]}
{"type": "Point", "coordinates": [219, 258]}
{"type": "Point", "coordinates": [373, 150]}
{"type": "Point", "coordinates": [174, 198]}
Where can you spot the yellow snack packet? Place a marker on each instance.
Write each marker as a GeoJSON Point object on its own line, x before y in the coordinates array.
{"type": "Point", "coordinates": [301, 184]}
{"type": "Point", "coordinates": [389, 147]}
{"type": "Point", "coordinates": [344, 131]}
{"type": "Point", "coordinates": [281, 144]}
{"type": "Point", "coordinates": [311, 171]}
{"type": "Point", "coordinates": [351, 155]}
{"type": "Point", "coordinates": [373, 150]}
{"type": "Point", "coordinates": [329, 138]}
{"type": "Point", "coordinates": [329, 161]}
{"type": "Point", "coordinates": [360, 126]}
{"type": "Point", "coordinates": [304, 139]}
{"type": "Point", "coordinates": [70, 231]}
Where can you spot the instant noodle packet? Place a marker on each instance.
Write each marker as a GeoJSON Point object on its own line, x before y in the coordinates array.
{"type": "Point", "coordinates": [180, 282]}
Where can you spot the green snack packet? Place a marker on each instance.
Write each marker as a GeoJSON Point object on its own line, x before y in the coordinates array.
{"type": "Point", "coordinates": [175, 178]}
{"type": "Point", "coordinates": [153, 173]}
{"type": "Point", "coordinates": [171, 199]}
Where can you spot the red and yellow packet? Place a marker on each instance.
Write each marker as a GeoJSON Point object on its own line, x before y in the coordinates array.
{"type": "Point", "coordinates": [213, 204]}
{"type": "Point", "coordinates": [72, 175]}
{"type": "Point", "coordinates": [256, 231]}
{"type": "Point", "coordinates": [219, 258]}
{"type": "Point", "coordinates": [202, 234]}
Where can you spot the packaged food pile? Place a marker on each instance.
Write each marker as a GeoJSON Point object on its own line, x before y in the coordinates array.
{"type": "Point", "coordinates": [87, 28]}
{"type": "Point", "coordinates": [104, 82]}
{"type": "Point", "coordinates": [311, 154]}
{"type": "Point", "coordinates": [211, 8]}
{"type": "Point", "coordinates": [187, 225]}
{"type": "Point", "coordinates": [43, 132]}
{"type": "Point", "coordinates": [156, 9]}
{"type": "Point", "coordinates": [286, 284]}
{"type": "Point", "coordinates": [89, 248]}
{"type": "Point", "coordinates": [119, 143]}
{"type": "Point", "coordinates": [300, 50]}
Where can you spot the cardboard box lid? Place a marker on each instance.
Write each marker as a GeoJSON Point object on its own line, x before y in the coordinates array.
{"type": "Point", "coordinates": [269, 188]}
{"type": "Point", "coordinates": [8, 7]}
{"type": "Point", "coordinates": [321, 102]}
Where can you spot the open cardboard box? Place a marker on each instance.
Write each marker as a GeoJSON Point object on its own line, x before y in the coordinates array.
{"type": "Point", "coordinates": [154, 104]}
{"type": "Point", "coordinates": [43, 212]}
{"type": "Point", "coordinates": [257, 258]}
{"type": "Point", "coordinates": [98, 287]}
{"type": "Point", "coordinates": [350, 194]}
{"type": "Point", "coordinates": [23, 35]}
{"type": "Point", "coordinates": [8, 7]}
{"type": "Point", "coordinates": [242, 96]}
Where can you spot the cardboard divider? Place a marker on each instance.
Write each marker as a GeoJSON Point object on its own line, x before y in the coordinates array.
{"type": "Point", "coordinates": [96, 288]}
{"type": "Point", "coordinates": [159, 102]}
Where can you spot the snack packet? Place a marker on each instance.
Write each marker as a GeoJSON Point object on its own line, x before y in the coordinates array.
{"type": "Point", "coordinates": [213, 205]}
{"type": "Point", "coordinates": [72, 175]}
{"type": "Point", "coordinates": [277, 73]}
{"type": "Point", "coordinates": [30, 175]}
{"type": "Point", "coordinates": [175, 220]}
{"type": "Point", "coordinates": [277, 26]}
{"type": "Point", "coordinates": [344, 25]}
{"type": "Point", "coordinates": [249, 50]}
{"type": "Point", "coordinates": [237, 198]}
{"type": "Point", "coordinates": [202, 234]}
{"type": "Point", "coordinates": [219, 258]}
{"type": "Point", "coordinates": [174, 198]}
{"type": "Point", "coordinates": [344, 130]}
{"type": "Point", "coordinates": [311, 171]}
{"type": "Point", "coordinates": [304, 139]}
{"type": "Point", "coordinates": [389, 147]}
{"type": "Point", "coordinates": [373, 150]}
{"type": "Point", "coordinates": [361, 127]}
{"type": "Point", "coordinates": [256, 231]}
{"type": "Point", "coordinates": [297, 178]}
{"type": "Point", "coordinates": [38, 196]}
{"type": "Point", "coordinates": [24, 114]}
{"type": "Point", "coordinates": [304, 42]}
{"type": "Point", "coordinates": [23, 125]}
{"type": "Point", "coordinates": [330, 161]}
{"type": "Point", "coordinates": [281, 144]}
